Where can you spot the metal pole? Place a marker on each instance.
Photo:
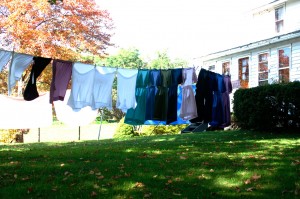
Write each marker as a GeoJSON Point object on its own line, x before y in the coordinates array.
{"type": "Point", "coordinates": [101, 111]}
{"type": "Point", "coordinates": [39, 135]}
{"type": "Point", "coordinates": [79, 133]}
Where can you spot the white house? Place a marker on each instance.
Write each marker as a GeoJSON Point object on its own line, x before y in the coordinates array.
{"type": "Point", "coordinates": [274, 54]}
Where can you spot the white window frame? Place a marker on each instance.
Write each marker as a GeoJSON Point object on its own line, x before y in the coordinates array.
{"type": "Point", "coordinates": [287, 67]}
{"type": "Point", "coordinates": [262, 53]}
{"type": "Point", "coordinates": [280, 20]}
{"type": "Point", "coordinates": [228, 72]}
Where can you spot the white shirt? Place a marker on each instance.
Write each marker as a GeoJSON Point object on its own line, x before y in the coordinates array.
{"type": "Point", "coordinates": [126, 89]}
{"type": "Point", "coordinates": [19, 63]}
{"type": "Point", "coordinates": [91, 86]}
{"type": "Point", "coordinates": [4, 58]}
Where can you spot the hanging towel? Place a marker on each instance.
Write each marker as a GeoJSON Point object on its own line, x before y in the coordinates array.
{"type": "Point", "coordinates": [68, 116]}
{"type": "Point", "coordinates": [61, 75]}
{"type": "Point", "coordinates": [4, 58]}
{"type": "Point", "coordinates": [16, 113]}
{"type": "Point", "coordinates": [126, 83]}
{"type": "Point", "coordinates": [19, 63]}
{"type": "Point", "coordinates": [40, 63]}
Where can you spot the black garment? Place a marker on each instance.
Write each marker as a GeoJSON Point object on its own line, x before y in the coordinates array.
{"type": "Point", "coordinates": [176, 78]}
{"type": "Point", "coordinates": [206, 85]}
{"type": "Point", "coordinates": [40, 63]}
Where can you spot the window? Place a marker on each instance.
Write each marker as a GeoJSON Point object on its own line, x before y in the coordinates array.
{"type": "Point", "coordinates": [284, 64]}
{"type": "Point", "coordinates": [244, 72]}
{"type": "Point", "coordinates": [212, 67]}
{"type": "Point", "coordinates": [263, 68]}
{"type": "Point", "coordinates": [226, 68]}
{"type": "Point", "coordinates": [279, 12]}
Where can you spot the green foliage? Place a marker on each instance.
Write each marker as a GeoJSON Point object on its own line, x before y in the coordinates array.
{"type": "Point", "coordinates": [268, 107]}
{"type": "Point", "coordinates": [161, 129]}
{"type": "Point", "coordinates": [163, 61]}
{"type": "Point", "coordinates": [126, 58]}
{"type": "Point", "coordinates": [124, 130]}
{"type": "Point", "coordinates": [12, 135]}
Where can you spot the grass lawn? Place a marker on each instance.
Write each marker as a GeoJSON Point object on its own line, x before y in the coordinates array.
{"type": "Point", "coordinates": [231, 164]}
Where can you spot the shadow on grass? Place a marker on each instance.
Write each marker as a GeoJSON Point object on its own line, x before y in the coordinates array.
{"type": "Point", "coordinates": [205, 165]}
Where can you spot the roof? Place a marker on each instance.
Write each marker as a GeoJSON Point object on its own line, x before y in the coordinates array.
{"type": "Point", "coordinates": [253, 45]}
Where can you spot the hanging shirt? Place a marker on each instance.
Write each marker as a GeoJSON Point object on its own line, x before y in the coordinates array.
{"type": "Point", "coordinates": [102, 88]}
{"type": "Point", "coordinates": [68, 116]}
{"type": "Point", "coordinates": [136, 116]}
{"type": "Point", "coordinates": [218, 106]}
{"type": "Point", "coordinates": [16, 113]}
{"type": "Point", "coordinates": [91, 86]}
{"type": "Point", "coordinates": [19, 63]}
{"type": "Point", "coordinates": [40, 63]}
{"type": "Point", "coordinates": [126, 82]}
{"type": "Point", "coordinates": [226, 101]}
{"type": "Point", "coordinates": [82, 86]}
{"type": "Point", "coordinates": [61, 75]}
{"type": "Point", "coordinates": [4, 58]}
{"type": "Point", "coordinates": [176, 79]}
{"type": "Point", "coordinates": [188, 106]}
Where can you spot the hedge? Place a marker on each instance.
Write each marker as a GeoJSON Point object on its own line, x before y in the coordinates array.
{"type": "Point", "coordinates": [268, 107]}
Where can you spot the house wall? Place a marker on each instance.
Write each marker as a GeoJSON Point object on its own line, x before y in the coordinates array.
{"type": "Point", "coordinates": [253, 62]}
{"type": "Point", "coordinates": [263, 21]}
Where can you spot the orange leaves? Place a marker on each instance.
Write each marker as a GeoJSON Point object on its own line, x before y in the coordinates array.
{"type": "Point", "coordinates": [38, 28]}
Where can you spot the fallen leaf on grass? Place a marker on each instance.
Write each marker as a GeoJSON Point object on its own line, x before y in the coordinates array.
{"type": "Point", "coordinates": [15, 176]}
{"type": "Point", "coordinates": [147, 195]}
{"type": "Point", "coordinates": [238, 189]}
{"type": "Point", "coordinates": [176, 194]}
{"type": "Point", "coordinates": [202, 177]}
{"type": "Point", "coordinates": [183, 157]}
{"type": "Point", "coordinates": [29, 190]}
{"type": "Point", "coordinates": [100, 177]}
{"type": "Point", "coordinates": [250, 189]}
{"type": "Point", "coordinates": [139, 185]}
{"type": "Point", "coordinates": [25, 178]}
{"type": "Point", "coordinates": [248, 181]}
{"type": "Point", "coordinates": [255, 177]}
{"type": "Point", "coordinates": [93, 194]}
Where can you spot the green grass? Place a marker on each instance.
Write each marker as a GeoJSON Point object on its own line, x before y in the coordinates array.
{"type": "Point", "coordinates": [230, 164]}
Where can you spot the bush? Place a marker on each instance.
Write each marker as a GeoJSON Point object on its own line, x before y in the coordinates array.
{"type": "Point", "coordinates": [268, 107]}
{"type": "Point", "coordinates": [125, 130]}
{"type": "Point", "coordinates": [12, 135]}
{"type": "Point", "coordinates": [161, 129]}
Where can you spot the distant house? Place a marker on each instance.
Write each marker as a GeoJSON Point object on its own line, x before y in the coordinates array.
{"type": "Point", "coordinates": [274, 54]}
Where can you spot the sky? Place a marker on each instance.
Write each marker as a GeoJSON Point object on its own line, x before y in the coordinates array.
{"type": "Point", "coordinates": [184, 28]}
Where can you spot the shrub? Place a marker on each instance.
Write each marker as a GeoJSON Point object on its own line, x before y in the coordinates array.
{"type": "Point", "coordinates": [12, 135]}
{"type": "Point", "coordinates": [161, 129]}
{"type": "Point", "coordinates": [124, 130]}
{"type": "Point", "coordinates": [268, 107]}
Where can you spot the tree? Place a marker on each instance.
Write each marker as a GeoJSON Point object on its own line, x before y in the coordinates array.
{"type": "Point", "coordinates": [126, 58]}
{"type": "Point", "coordinates": [163, 61]}
{"type": "Point", "coordinates": [60, 29]}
